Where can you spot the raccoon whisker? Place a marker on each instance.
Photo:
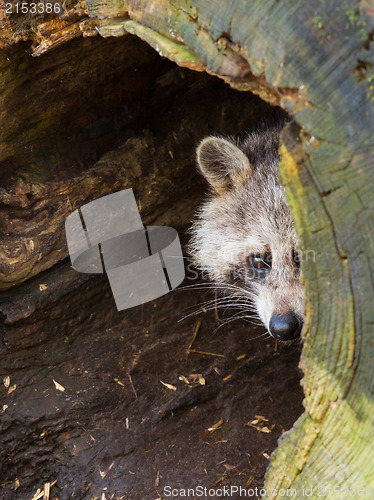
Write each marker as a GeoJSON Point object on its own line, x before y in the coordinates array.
{"type": "Point", "coordinates": [228, 299]}
{"type": "Point", "coordinates": [229, 321]}
{"type": "Point", "coordinates": [237, 302]}
{"type": "Point", "coordinates": [202, 285]}
{"type": "Point", "coordinates": [227, 303]}
{"type": "Point", "coordinates": [204, 310]}
{"type": "Point", "coordinates": [220, 302]}
{"type": "Point", "coordinates": [216, 286]}
{"type": "Point", "coordinates": [246, 316]}
{"type": "Point", "coordinates": [199, 311]}
{"type": "Point", "coordinates": [265, 335]}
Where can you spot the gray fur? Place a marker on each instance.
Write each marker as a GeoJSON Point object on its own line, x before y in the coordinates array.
{"type": "Point", "coordinates": [247, 214]}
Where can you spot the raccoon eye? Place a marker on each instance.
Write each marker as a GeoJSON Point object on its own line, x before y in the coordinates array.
{"type": "Point", "coordinates": [296, 258]}
{"type": "Point", "coordinates": [260, 263]}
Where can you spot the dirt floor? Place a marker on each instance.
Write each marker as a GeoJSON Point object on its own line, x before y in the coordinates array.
{"type": "Point", "coordinates": [104, 404]}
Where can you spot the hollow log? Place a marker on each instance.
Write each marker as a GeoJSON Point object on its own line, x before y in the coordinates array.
{"type": "Point", "coordinates": [315, 59]}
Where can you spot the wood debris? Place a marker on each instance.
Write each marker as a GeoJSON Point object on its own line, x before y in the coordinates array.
{"type": "Point", "coordinates": [198, 324]}
{"type": "Point", "coordinates": [207, 353]}
{"type": "Point", "coordinates": [104, 474]}
{"type": "Point", "coordinates": [260, 423]}
{"type": "Point", "coordinates": [216, 426]}
{"type": "Point", "coordinates": [58, 386]}
{"type": "Point", "coordinates": [12, 388]}
{"type": "Point", "coordinates": [193, 378]}
{"type": "Point", "coordinates": [6, 382]}
{"type": "Point", "coordinates": [169, 386]}
{"type": "Point", "coordinates": [45, 492]}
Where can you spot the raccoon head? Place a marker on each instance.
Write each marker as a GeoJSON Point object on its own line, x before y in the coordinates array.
{"type": "Point", "coordinates": [244, 237]}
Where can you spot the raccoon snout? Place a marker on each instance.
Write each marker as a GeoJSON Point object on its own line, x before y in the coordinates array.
{"type": "Point", "coordinates": [285, 326]}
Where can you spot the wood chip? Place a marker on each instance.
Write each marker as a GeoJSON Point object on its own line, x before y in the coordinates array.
{"type": "Point", "coordinates": [258, 423]}
{"type": "Point", "coordinates": [6, 382]}
{"type": "Point", "coordinates": [216, 426]}
{"type": "Point", "coordinates": [207, 353]}
{"type": "Point", "coordinates": [251, 478]}
{"type": "Point", "coordinates": [266, 430]}
{"type": "Point", "coordinates": [197, 378]}
{"type": "Point", "coordinates": [12, 388]}
{"type": "Point", "coordinates": [86, 431]}
{"type": "Point", "coordinates": [104, 474]}
{"type": "Point", "coordinates": [169, 386]}
{"type": "Point", "coordinates": [194, 336]}
{"type": "Point", "coordinates": [58, 386]}
{"type": "Point", "coordinates": [47, 490]}
{"type": "Point", "coordinates": [184, 379]}
{"type": "Point", "coordinates": [43, 287]}
{"type": "Point", "coordinates": [39, 493]}
{"type": "Point", "coordinates": [132, 386]}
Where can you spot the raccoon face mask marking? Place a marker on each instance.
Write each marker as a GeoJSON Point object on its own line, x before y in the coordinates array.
{"type": "Point", "coordinates": [244, 238]}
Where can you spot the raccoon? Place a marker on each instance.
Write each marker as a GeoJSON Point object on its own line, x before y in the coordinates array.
{"type": "Point", "coordinates": [244, 238]}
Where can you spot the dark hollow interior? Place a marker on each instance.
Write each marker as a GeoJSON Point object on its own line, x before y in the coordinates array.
{"type": "Point", "coordinates": [116, 428]}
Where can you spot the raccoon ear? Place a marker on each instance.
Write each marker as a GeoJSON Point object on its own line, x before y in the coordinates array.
{"type": "Point", "coordinates": [222, 163]}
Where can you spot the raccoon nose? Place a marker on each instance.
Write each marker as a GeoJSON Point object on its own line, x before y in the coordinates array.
{"type": "Point", "coordinates": [285, 326]}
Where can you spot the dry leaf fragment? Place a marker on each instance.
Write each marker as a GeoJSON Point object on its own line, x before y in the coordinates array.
{"type": "Point", "coordinates": [58, 386]}
{"type": "Point", "coordinates": [169, 386]}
